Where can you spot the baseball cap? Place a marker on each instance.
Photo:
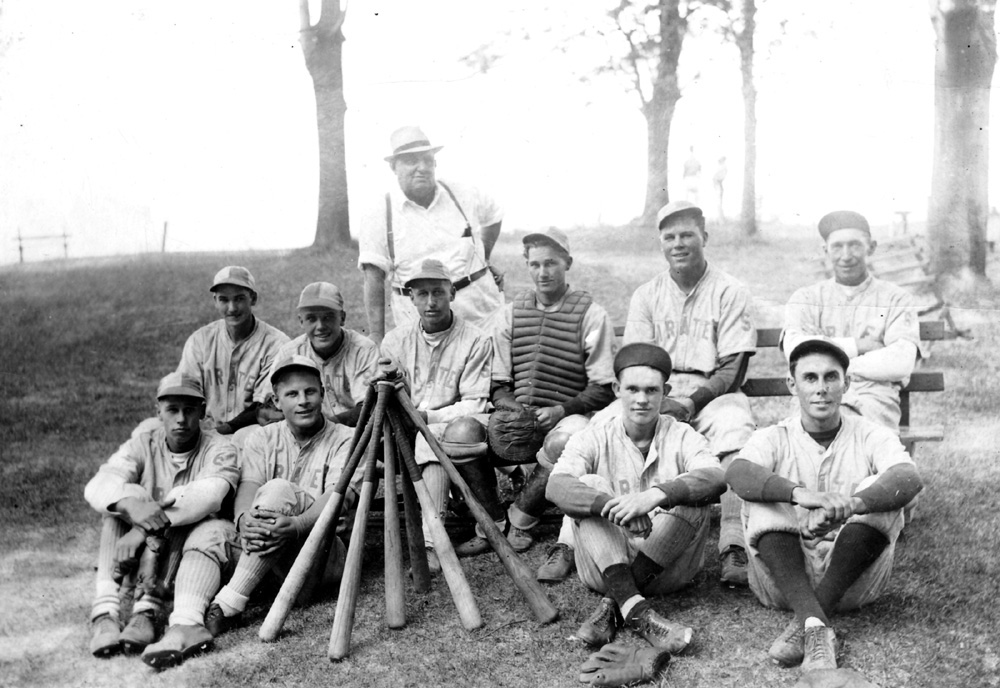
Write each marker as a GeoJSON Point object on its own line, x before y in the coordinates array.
{"type": "Point", "coordinates": [677, 208]}
{"type": "Point", "coordinates": [430, 269]}
{"type": "Point", "coordinates": [410, 139]}
{"type": "Point", "coordinates": [293, 362]}
{"type": "Point", "coordinates": [640, 354]}
{"type": "Point", "coordinates": [842, 219]}
{"type": "Point", "coordinates": [819, 345]}
{"type": "Point", "coordinates": [321, 295]}
{"type": "Point", "coordinates": [552, 235]}
{"type": "Point", "coordinates": [235, 275]}
{"type": "Point", "coordinates": [179, 385]}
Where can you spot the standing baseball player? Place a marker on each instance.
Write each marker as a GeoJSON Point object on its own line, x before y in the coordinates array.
{"type": "Point", "coordinates": [447, 364]}
{"type": "Point", "coordinates": [824, 495]}
{"type": "Point", "coordinates": [347, 360]}
{"type": "Point", "coordinates": [288, 471]}
{"type": "Point", "coordinates": [422, 218]}
{"type": "Point", "coordinates": [873, 321]}
{"type": "Point", "coordinates": [557, 347]}
{"type": "Point", "coordinates": [171, 480]}
{"type": "Point", "coordinates": [232, 355]}
{"type": "Point", "coordinates": [637, 487]}
{"type": "Point", "coordinates": [704, 320]}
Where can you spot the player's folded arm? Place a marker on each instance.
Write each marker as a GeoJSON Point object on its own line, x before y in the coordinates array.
{"type": "Point", "coordinates": [727, 378]}
{"type": "Point", "coordinates": [755, 483]}
{"type": "Point", "coordinates": [197, 499]}
{"type": "Point", "coordinates": [893, 489]}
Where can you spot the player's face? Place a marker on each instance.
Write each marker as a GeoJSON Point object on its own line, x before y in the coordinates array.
{"type": "Point", "coordinates": [432, 299]}
{"type": "Point", "coordinates": [849, 250]}
{"type": "Point", "coordinates": [235, 304]}
{"type": "Point", "coordinates": [683, 244]}
{"type": "Point", "coordinates": [547, 267]}
{"type": "Point", "coordinates": [640, 391]}
{"type": "Point", "coordinates": [181, 417]}
{"type": "Point", "coordinates": [300, 397]}
{"type": "Point", "coordinates": [819, 383]}
{"type": "Point", "coordinates": [415, 172]}
{"type": "Point", "coordinates": [322, 327]}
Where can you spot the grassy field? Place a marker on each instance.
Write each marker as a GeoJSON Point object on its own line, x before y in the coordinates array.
{"type": "Point", "coordinates": [85, 342]}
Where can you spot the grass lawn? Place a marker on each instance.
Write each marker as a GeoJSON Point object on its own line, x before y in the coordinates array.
{"type": "Point", "coordinates": [83, 344]}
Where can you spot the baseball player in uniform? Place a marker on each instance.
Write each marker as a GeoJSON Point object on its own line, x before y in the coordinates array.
{"type": "Point", "coordinates": [824, 494]}
{"type": "Point", "coordinates": [288, 471]}
{"type": "Point", "coordinates": [637, 486]}
{"type": "Point", "coordinates": [447, 364]}
{"type": "Point", "coordinates": [169, 479]}
{"type": "Point", "coordinates": [422, 218]}
{"type": "Point", "coordinates": [347, 360]}
{"type": "Point", "coordinates": [556, 346]}
{"type": "Point", "coordinates": [704, 320]}
{"type": "Point", "coordinates": [873, 321]}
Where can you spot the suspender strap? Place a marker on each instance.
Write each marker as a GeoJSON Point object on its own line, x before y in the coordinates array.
{"type": "Point", "coordinates": [388, 230]}
{"type": "Point", "coordinates": [468, 225]}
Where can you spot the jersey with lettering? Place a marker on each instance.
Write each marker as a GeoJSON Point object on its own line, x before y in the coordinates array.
{"type": "Point", "coordinates": [146, 460]}
{"type": "Point", "coordinates": [448, 372]}
{"type": "Point", "coordinates": [232, 375]}
{"type": "Point", "coordinates": [271, 452]}
{"type": "Point", "coordinates": [698, 329]}
{"type": "Point", "coordinates": [345, 374]}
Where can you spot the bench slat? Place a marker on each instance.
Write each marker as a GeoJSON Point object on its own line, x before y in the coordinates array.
{"type": "Point", "coordinates": [767, 337]}
{"type": "Point", "coordinates": [776, 387]}
{"type": "Point", "coordinates": [928, 433]}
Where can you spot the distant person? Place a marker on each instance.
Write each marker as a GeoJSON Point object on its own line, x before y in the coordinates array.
{"type": "Point", "coordinates": [347, 360]}
{"type": "Point", "coordinates": [692, 176]}
{"type": "Point", "coordinates": [423, 218]}
{"type": "Point", "coordinates": [824, 495]}
{"type": "Point", "coordinates": [703, 318]}
{"type": "Point", "coordinates": [719, 182]}
{"type": "Point", "coordinates": [872, 320]}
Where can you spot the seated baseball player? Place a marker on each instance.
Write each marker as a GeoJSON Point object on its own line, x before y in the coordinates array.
{"type": "Point", "coordinates": [168, 480]}
{"type": "Point", "coordinates": [288, 471]}
{"type": "Point", "coordinates": [637, 486]}
{"type": "Point", "coordinates": [704, 319]}
{"type": "Point", "coordinates": [447, 364]}
{"type": "Point", "coordinates": [873, 321]}
{"type": "Point", "coordinates": [346, 359]}
{"type": "Point", "coordinates": [824, 495]}
{"type": "Point", "coordinates": [556, 347]}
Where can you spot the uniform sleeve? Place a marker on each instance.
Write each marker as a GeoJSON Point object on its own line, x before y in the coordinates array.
{"type": "Point", "coordinates": [338, 461]}
{"type": "Point", "coordinates": [702, 479]}
{"type": "Point", "coordinates": [600, 345]}
{"type": "Point", "coordinates": [118, 478]}
{"type": "Point", "coordinates": [892, 363]}
{"type": "Point", "coordinates": [473, 385]}
{"type": "Point", "coordinates": [639, 325]}
{"type": "Point", "coordinates": [695, 449]}
{"type": "Point", "coordinates": [737, 332]}
{"type": "Point", "coordinates": [503, 328]}
{"type": "Point", "coordinates": [885, 450]}
{"type": "Point", "coordinates": [565, 489]}
{"type": "Point", "coordinates": [276, 341]}
{"type": "Point", "coordinates": [761, 448]}
{"type": "Point", "coordinates": [253, 458]}
{"type": "Point", "coordinates": [263, 390]}
{"type": "Point", "coordinates": [801, 312]}
{"type": "Point", "coordinates": [365, 367]}
{"type": "Point", "coordinates": [372, 242]}
{"type": "Point", "coordinates": [196, 500]}
{"type": "Point", "coordinates": [193, 357]}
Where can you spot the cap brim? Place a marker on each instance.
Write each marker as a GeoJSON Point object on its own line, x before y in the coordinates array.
{"type": "Point", "coordinates": [418, 149]}
{"type": "Point", "coordinates": [244, 285]}
{"type": "Point", "coordinates": [811, 346]}
{"type": "Point", "coordinates": [316, 305]}
{"type": "Point", "coordinates": [537, 236]}
{"type": "Point", "coordinates": [180, 392]}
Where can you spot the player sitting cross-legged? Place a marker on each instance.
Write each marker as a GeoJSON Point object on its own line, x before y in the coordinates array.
{"type": "Point", "coordinates": [288, 470]}
{"type": "Point", "coordinates": [824, 494]}
{"type": "Point", "coordinates": [170, 480]}
{"type": "Point", "coordinates": [637, 486]}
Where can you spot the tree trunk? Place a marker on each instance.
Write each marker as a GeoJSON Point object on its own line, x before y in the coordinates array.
{"type": "Point", "coordinates": [958, 209]}
{"type": "Point", "coordinates": [322, 47]}
{"type": "Point", "coordinates": [744, 41]}
{"type": "Point", "coordinates": [659, 110]}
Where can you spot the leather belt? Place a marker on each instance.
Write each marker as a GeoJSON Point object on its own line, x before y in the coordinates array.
{"type": "Point", "coordinates": [458, 284]}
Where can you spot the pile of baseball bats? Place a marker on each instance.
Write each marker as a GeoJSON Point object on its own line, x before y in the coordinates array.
{"type": "Point", "coordinates": [381, 435]}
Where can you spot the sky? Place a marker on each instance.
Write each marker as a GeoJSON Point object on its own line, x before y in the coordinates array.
{"type": "Point", "coordinates": [117, 117]}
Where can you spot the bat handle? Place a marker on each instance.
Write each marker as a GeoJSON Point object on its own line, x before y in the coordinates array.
{"type": "Point", "coordinates": [395, 606]}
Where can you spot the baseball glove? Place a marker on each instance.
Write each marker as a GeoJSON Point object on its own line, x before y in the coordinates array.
{"type": "Point", "coordinates": [514, 436]}
{"type": "Point", "coordinates": [617, 664]}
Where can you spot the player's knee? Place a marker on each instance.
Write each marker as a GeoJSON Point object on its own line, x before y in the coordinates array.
{"type": "Point", "coordinates": [464, 439]}
{"type": "Point", "coordinates": [277, 496]}
{"type": "Point", "coordinates": [597, 482]}
{"type": "Point", "coordinates": [552, 447]}
{"type": "Point", "coordinates": [210, 538]}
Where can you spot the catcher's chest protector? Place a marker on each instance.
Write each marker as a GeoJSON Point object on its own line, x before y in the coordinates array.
{"type": "Point", "coordinates": [548, 350]}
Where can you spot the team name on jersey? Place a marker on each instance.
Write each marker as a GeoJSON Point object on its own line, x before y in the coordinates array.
{"type": "Point", "coordinates": [696, 328]}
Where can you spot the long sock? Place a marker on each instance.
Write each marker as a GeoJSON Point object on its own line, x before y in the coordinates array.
{"type": "Point", "coordinates": [250, 571]}
{"type": "Point", "coordinates": [106, 594]}
{"type": "Point", "coordinates": [621, 586]}
{"type": "Point", "coordinates": [644, 570]}
{"type": "Point", "coordinates": [198, 579]}
{"type": "Point", "coordinates": [730, 521]}
{"type": "Point", "coordinates": [438, 485]}
{"type": "Point", "coordinates": [783, 556]}
{"type": "Point", "coordinates": [857, 547]}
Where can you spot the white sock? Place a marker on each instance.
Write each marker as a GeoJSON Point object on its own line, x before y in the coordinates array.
{"type": "Point", "coordinates": [629, 605]}
{"type": "Point", "coordinates": [812, 622]}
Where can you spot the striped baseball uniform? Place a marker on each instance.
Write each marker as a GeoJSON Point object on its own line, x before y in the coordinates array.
{"type": "Point", "coordinates": [438, 231]}
{"type": "Point", "coordinates": [875, 309]}
{"type": "Point", "coordinates": [345, 374]}
{"type": "Point", "coordinates": [232, 375]}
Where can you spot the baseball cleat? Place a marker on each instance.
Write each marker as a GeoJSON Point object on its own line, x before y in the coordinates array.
{"type": "Point", "coordinates": [138, 633]}
{"type": "Point", "coordinates": [218, 623]}
{"type": "Point", "coordinates": [733, 567]}
{"type": "Point", "coordinates": [105, 638]}
{"type": "Point", "coordinates": [787, 647]}
{"type": "Point", "coordinates": [819, 649]}
{"type": "Point", "coordinates": [519, 539]}
{"type": "Point", "coordinates": [180, 642]}
{"type": "Point", "coordinates": [470, 548]}
{"type": "Point", "coordinates": [559, 563]}
{"type": "Point", "coordinates": [661, 633]}
{"type": "Point", "coordinates": [601, 626]}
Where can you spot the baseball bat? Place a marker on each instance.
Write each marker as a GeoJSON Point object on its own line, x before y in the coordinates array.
{"type": "Point", "coordinates": [414, 533]}
{"type": "Point", "coordinates": [395, 606]}
{"type": "Point", "coordinates": [461, 593]}
{"type": "Point", "coordinates": [522, 576]}
{"type": "Point", "coordinates": [300, 570]}
{"type": "Point", "coordinates": [347, 598]}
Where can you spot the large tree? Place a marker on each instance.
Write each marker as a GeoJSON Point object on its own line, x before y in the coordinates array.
{"type": "Point", "coordinates": [965, 58]}
{"type": "Point", "coordinates": [322, 47]}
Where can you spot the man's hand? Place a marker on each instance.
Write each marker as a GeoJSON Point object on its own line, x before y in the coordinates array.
{"type": "Point", "coordinates": [224, 428]}
{"type": "Point", "coordinates": [549, 416]}
{"type": "Point", "coordinates": [497, 277]}
{"type": "Point", "coordinates": [835, 506]}
{"type": "Point", "coordinates": [623, 510]}
{"type": "Point", "coordinates": [127, 547]}
{"type": "Point", "coordinates": [680, 408]}
{"type": "Point", "coordinates": [504, 400]}
{"type": "Point", "coordinates": [866, 344]}
{"type": "Point", "coordinates": [147, 515]}
{"type": "Point", "coordinates": [268, 413]}
{"type": "Point", "coordinates": [266, 533]}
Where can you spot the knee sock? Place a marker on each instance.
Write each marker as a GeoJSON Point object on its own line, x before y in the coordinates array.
{"type": "Point", "coordinates": [782, 554]}
{"type": "Point", "coordinates": [250, 571]}
{"type": "Point", "coordinates": [622, 589]}
{"type": "Point", "coordinates": [106, 595]}
{"type": "Point", "coordinates": [644, 570]}
{"type": "Point", "coordinates": [857, 547]}
{"type": "Point", "coordinates": [198, 579]}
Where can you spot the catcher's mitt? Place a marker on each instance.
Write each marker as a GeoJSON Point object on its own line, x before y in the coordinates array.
{"type": "Point", "coordinates": [514, 436]}
{"type": "Point", "coordinates": [617, 664]}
